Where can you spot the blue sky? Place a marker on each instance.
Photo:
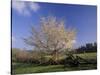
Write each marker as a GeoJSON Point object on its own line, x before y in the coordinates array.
{"type": "Point", "coordinates": [81, 17]}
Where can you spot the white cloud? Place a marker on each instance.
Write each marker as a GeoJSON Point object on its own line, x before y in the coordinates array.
{"type": "Point", "coordinates": [24, 8]}
{"type": "Point", "coordinates": [34, 6]}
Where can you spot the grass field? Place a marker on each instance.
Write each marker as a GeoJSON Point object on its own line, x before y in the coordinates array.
{"type": "Point", "coordinates": [20, 68]}
{"type": "Point", "coordinates": [88, 55]}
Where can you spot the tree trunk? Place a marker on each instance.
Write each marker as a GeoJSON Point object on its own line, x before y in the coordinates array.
{"type": "Point", "coordinates": [56, 56]}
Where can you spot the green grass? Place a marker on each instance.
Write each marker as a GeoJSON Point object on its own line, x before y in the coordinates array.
{"type": "Point", "coordinates": [22, 68]}
{"type": "Point", "coordinates": [50, 68]}
{"type": "Point", "coordinates": [88, 55]}
{"type": "Point", "coordinates": [38, 69]}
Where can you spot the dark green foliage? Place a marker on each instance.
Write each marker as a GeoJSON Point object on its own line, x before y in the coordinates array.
{"type": "Point", "coordinates": [71, 61]}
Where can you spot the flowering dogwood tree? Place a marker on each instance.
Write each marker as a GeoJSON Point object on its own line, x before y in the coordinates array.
{"type": "Point", "coordinates": [52, 35]}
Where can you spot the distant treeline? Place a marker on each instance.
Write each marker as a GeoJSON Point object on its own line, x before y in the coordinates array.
{"type": "Point", "coordinates": [89, 47]}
